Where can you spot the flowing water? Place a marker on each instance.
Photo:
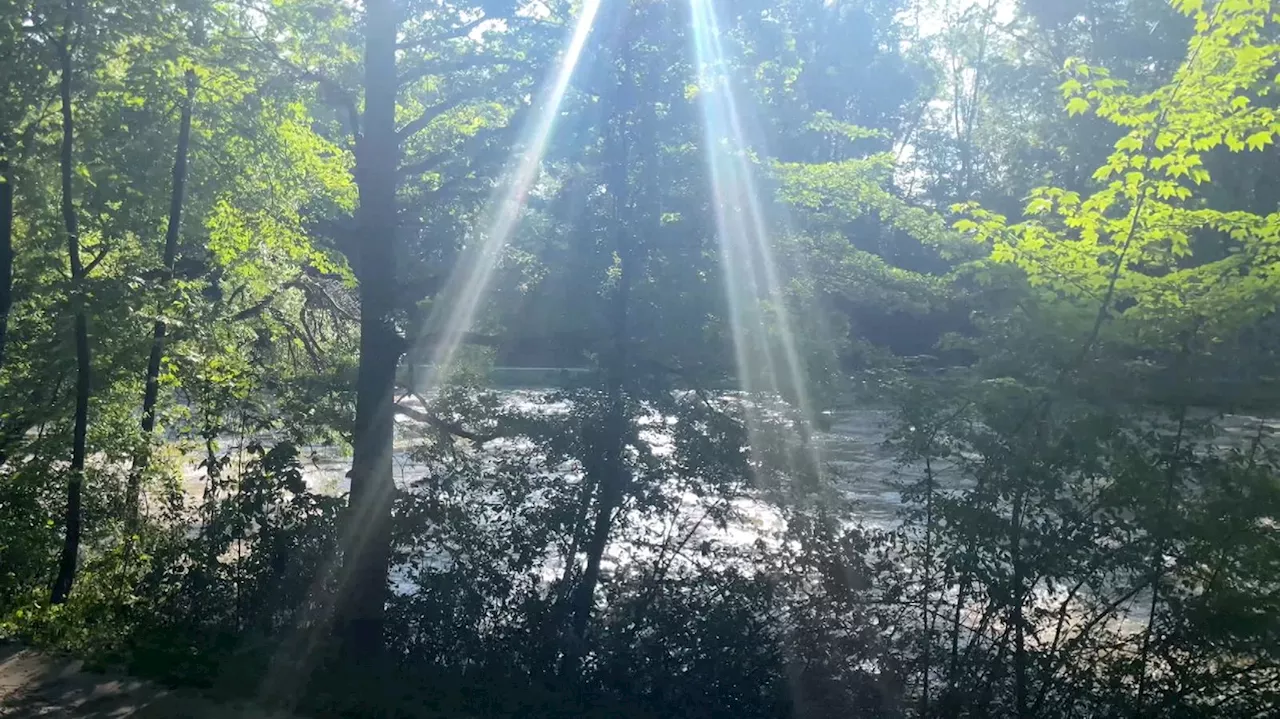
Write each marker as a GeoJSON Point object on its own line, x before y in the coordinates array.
{"type": "Point", "coordinates": [853, 446]}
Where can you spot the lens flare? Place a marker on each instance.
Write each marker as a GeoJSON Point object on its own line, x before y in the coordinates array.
{"type": "Point", "coordinates": [768, 360]}
{"type": "Point", "coordinates": [454, 311]}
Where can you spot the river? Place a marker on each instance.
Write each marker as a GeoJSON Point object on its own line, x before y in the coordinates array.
{"type": "Point", "coordinates": [853, 447]}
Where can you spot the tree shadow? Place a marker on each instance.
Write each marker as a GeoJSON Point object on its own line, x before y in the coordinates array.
{"type": "Point", "coordinates": [35, 685]}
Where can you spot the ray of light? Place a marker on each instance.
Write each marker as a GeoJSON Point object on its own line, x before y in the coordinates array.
{"type": "Point", "coordinates": [765, 346]}
{"type": "Point", "coordinates": [453, 314]}
{"type": "Point", "coordinates": [454, 311]}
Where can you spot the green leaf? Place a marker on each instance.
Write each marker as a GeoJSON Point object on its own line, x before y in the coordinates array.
{"type": "Point", "coordinates": [1258, 140]}
{"type": "Point", "coordinates": [1129, 143]}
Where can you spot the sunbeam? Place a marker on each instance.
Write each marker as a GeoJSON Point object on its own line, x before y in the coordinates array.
{"type": "Point", "coordinates": [768, 360]}
{"type": "Point", "coordinates": [455, 310]}
{"type": "Point", "coordinates": [451, 318]}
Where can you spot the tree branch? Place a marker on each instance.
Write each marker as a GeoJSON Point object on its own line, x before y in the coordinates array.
{"type": "Point", "coordinates": [434, 420]}
{"type": "Point", "coordinates": [262, 305]}
{"type": "Point", "coordinates": [454, 33]}
{"type": "Point", "coordinates": [93, 264]}
{"type": "Point", "coordinates": [441, 68]}
{"type": "Point", "coordinates": [313, 350]}
{"type": "Point", "coordinates": [332, 93]}
{"type": "Point", "coordinates": [469, 146]}
{"type": "Point", "coordinates": [332, 303]}
{"type": "Point", "coordinates": [429, 115]}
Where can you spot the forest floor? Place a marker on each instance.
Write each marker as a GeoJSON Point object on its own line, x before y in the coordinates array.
{"type": "Point", "coordinates": [48, 687]}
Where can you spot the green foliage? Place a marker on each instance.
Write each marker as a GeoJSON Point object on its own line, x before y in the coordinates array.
{"type": "Point", "coordinates": [1144, 246]}
{"type": "Point", "coordinates": [1082, 527]}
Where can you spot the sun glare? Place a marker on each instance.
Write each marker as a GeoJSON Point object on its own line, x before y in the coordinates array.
{"type": "Point", "coordinates": [454, 311]}
{"type": "Point", "coordinates": [768, 361]}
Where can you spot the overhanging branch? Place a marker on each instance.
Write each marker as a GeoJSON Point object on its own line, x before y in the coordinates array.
{"type": "Point", "coordinates": [429, 115]}
{"type": "Point", "coordinates": [433, 420]}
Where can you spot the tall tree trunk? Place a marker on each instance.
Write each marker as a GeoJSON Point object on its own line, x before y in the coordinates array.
{"type": "Point", "coordinates": [611, 469]}
{"type": "Point", "coordinates": [367, 541]}
{"type": "Point", "coordinates": [6, 236]}
{"type": "Point", "coordinates": [151, 395]}
{"type": "Point", "coordinates": [75, 480]}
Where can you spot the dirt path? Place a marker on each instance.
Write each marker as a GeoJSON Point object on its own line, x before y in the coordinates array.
{"type": "Point", "coordinates": [36, 685]}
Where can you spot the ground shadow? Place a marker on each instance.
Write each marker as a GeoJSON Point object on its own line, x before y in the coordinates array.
{"type": "Point", "coordinates": [36, 685]}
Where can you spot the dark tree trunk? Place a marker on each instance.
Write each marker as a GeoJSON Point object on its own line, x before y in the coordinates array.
{"type": "Point", "coordinates": [75, 480]}
{"type": "Point", "coordinates": [1017, 599]}
{"type": "Point", "coordinates": [367, 540]}
{"type": "Point", "coordinates": [926, 628]}
{"type": "Point", "coordinates": [1158, 556]}
{"type": "Point", "coordinates": [151, 394]}
{"type": "Point", "coordinates": [6, 237]}
{"type": "Point", "coordinates": [610, 467]}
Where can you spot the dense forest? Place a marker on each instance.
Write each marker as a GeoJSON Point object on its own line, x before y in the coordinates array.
{"type": "Point", "coordinates": [1030, 247]}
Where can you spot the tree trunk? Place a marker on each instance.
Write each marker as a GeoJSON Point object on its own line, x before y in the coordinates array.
{"type": "Point", "coordinates": [926, 622]}
{"type": "Point", "coordinates": [367, 540]}
{"type": "Point", "coordinates": [1017, 598]}
{"type": "Point", "coordinates": [75, 481]}
{"type": "Point", "coordinates": [1157, 559]}
{"type": "Point", "coordinates": [151, 395]}
{"type": "Point", "coordinates": [6, 236]}
{"type": "Point", "coordinates": [611, 468]}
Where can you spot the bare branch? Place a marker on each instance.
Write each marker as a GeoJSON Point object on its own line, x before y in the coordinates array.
{"type": "Point", "coordinates": [262, 305]}
{"type": "Point", "coordinates": [454, 33]}
{"type": "Point", "coordinates": [332, 303]}
{"type": "Point", "coordinates": [434, 420]}
{"type": "Point", "coordinates": [93, 264]}
{"type": "Point", "coordinates": [303, 335]}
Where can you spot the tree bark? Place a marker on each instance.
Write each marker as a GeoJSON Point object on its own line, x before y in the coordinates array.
{"type": "Point", "coordinates": [1157, 560]}
{"type": "Point", "coordinates": [75, 480]}
{"type": "Point", "coordinates": [1017, 599]}
{"type": "Point", "coordinates": [367, 537]}
{"type": "Point", "coordinates": [926, 628]}
{"type": "Point", "coordinates": [6, 236]}
{"type": "Point", "coordinates": [151, 395]}
{"type": "Point", "coordinates": [612, 476]}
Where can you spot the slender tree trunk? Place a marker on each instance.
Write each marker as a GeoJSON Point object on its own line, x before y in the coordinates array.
{"type": "Point", "coordinates": [1016, 601]}
{"type": "Point", "coordinates": [151, 395]}
{"type": "Point", "coordinates": [75, 481]}
{"type": "Point", "coordinates": [11, 428]}
{"type": "Point", "coordinates": [566, 588]}
{"type": "Point", "coordinates": [584, 596]}
{"type": "Point", "coordinates": [6, 236]}
{"type": "Point", "coordinates": [612, 472]}
{"type": "Point", "coordinates": [367, 540]}
{"type": "Point", "coordinates": [926, 623]}
{"type": "Point", "coordinates": [1157, 564]}
{"type": "Point", "coordinates": [953, 670]}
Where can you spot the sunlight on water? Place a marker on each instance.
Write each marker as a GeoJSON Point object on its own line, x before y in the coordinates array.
{"type": "Point", "coordinates": [455, 309]}
{"type": "Point", "coordinates": [768, 360]}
